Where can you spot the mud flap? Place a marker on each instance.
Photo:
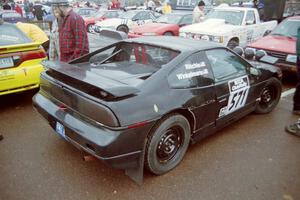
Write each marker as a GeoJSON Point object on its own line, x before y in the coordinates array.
{"type": "Point", "coordinates": [137, 173]}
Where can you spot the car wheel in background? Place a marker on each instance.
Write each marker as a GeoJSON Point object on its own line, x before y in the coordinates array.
{"type": "Point", "coordinates": [269, 97]}
{"type": "Point", "coordinates": [167, 144]}
{"type": "Point", "coordinates": [168, 33]}
{"type": "Point", "coordinates": [123, 28]}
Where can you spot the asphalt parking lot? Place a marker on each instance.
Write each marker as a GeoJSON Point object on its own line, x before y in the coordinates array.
{"type": "Point", "coordinates": [252, 159]}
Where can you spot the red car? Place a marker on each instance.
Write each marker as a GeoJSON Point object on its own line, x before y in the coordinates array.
{"type": "Point", "coordinates": [281, 43]}
{"type": "Point", "coordinates": [99, 16]}
{"type": "Point", "coordinates": [168, 24]}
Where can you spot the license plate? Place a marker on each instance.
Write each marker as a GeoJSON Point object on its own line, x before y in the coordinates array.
{"type": "Point", "coordinates": [6, 62]}
{"type": "Point", "coordinates": [60, 129]}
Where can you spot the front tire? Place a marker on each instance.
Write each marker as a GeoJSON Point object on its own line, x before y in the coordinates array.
{"type": "Point", "coordinates": [167, 144]}
{"type": "Point", "coordinates": [168, 33]}
{"type": "Point", "coordinates": [269, 97]}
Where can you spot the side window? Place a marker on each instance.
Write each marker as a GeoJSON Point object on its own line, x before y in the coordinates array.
{"type": "Point", "coordinates": [191, 73]}
{"type": "Point", "coordinates": [145, 16]}
{"type": "Point", "coordinates": [225, 65]}
{"type": "Point", "coordinates": [250, 18]}
{"type": "Point", "coordinates": [186, 20]}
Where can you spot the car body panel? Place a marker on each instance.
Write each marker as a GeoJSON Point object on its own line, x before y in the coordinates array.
{"type": "Point", "coordinates": [126, 119]}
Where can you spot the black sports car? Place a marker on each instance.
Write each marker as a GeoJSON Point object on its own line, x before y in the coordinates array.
{"type": "Point", "coordinates": [142, 101]}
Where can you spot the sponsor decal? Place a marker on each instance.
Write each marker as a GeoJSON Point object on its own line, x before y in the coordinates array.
{"type": "Point", "coordinates": [239, 89]}
{"type": "Point", "coordinates": [195, 65]}
{"type": "Point", "coordinates": [188, 75]}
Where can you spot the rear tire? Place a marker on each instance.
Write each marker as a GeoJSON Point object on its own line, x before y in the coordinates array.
{"type": "Point", "coordinates": [123, 28]}
{"type": "Point", "coordinates": [167, 144]}
{"type": "Point", "coordinates": [269, 97]}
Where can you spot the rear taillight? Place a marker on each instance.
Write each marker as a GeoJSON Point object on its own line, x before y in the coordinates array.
{"type": "Point", "coordinates": [29, 55]}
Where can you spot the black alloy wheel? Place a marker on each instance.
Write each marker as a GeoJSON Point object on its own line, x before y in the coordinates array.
{"type": "Point", "coordinates": [167, 144]}
{"type": "Point", "coordinates": [269, 97]}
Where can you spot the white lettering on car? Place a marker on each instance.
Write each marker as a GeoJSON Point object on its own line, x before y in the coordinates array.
{"type": "Point", "coordinates": [191, 74]}
{"type": "Point", "coordinates": [238, 89]}
{"type": "Point", "coordinates": [195, 65]}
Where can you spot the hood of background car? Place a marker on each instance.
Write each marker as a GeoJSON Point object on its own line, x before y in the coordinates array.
{"type": "Point", "coordinates": [152, 28]}
{"type": "Point", "coordinates": [209, 26]}
{"type": "Point", "coordinates": [276, 43]}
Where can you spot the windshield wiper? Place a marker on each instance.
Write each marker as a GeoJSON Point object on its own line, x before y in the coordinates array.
{"type": "Point", "coordinates": [279, 34]}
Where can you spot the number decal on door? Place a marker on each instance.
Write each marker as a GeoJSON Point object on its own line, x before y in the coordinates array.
{"type": "Point", "coordinates": [238, 89]}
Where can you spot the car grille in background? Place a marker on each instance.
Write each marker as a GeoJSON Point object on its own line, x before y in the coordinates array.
{"type": "Point", "coordinates": [280, 56]}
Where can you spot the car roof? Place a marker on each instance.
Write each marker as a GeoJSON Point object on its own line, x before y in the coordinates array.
{"type": "Point", "coordinates": [294, 17]}
{"type": "Point", "coordinates": [176, 43]}
{"type": "Point", "coordinates": [234, 8]}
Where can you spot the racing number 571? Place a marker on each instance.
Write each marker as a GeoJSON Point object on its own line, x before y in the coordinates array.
{"type": "Point", "coordinates": [237, 100]}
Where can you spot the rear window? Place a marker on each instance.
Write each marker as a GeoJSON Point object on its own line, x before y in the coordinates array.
{"type": "Point", "coordinates": [135, 53]}
{"type": "Point", "coordinates": [10, 35]}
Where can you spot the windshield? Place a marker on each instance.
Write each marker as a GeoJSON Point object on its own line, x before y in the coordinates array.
{"type": "Point", "coordinates": [98, 14]}
{"type": "Point", "coordinates": [230, 17]}
{"type": "Point", "coordinates": [128, 15]}
{"type": "Point", "coordinates": [287, 28]}
{"type": "Point", "coordinates": [10, 35]}
{"type": "Point", "coordinates": [169, 19]}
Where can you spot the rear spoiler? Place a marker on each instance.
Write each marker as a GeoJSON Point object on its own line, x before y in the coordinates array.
{"type": "Point", "coordinates": [88, 82]}
{"type": "Point", "coordinates": [19, 47]}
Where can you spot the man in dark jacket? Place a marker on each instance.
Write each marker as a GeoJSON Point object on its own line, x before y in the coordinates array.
{"type": "Point", "coordinates": [295, 128]}
{"type": "Point", "coordinates": [73, 39]}
{"type": "Point", "coordinates": [38, 11]}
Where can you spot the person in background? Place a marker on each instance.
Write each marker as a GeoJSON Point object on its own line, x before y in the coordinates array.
{"type": "Point", "coordinates": [6, 6]}
{"type": "Point", "coordinates": [26, 9]}
{"type": "Point", "coordinates": [73, 40]}
{"type": "Point", "coordinates": [151, 5]}
{"type": "Point", "coordinates": [294, 129]}
{"type": "Point", "coordinates": [18, 9]}
{"type": "Point", "coordinates": [38, 11]}
{"type": "Point", "coordinates": [198, 12]}
{"type": "Point", "coordinates": [166, 8]}
{"type": "Point", "coordinates": [54, 53]}
{"type": "Point", "coordinates": [115, 5]}
{"type": "Point", "coordinates": [35, 33]}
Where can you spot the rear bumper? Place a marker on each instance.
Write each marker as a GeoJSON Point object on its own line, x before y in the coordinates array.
{"type": "Point", "coordinates": [120, 149]}
{"type": "Point", "coordinates": [21, 78]}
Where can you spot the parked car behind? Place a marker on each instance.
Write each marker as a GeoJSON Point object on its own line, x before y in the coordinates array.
{"type": "Point", "coordinates": [229, 26]}
{"type": "Point", "coordinates": [168, 24]}
{"type": "Point", "coordinates": [11, 16]}
{"type": "Point", "coordinates": [20, 60]}
{"type": "Point", "coordinates": [281, 43]}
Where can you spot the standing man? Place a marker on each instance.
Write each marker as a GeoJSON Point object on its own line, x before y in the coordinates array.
{"type": "Point", "coordinates": [198, 12]}
{"type": "Point", "coordinates": [295, 128]}
{"type": "Point", "coordinates": [73, 40]}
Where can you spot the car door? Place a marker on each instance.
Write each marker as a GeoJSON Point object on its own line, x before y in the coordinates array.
{"type": "Point", "coordinates": [193, 79]}
{"type": "Point", "coordinates": [234, 86]}
{"type": "Point", "coordinates": [252, 27]}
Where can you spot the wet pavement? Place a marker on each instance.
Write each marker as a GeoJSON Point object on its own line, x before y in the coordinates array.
{"type": "Point", "coordinates": [251, 159]}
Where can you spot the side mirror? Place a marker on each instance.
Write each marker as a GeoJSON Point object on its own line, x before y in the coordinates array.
{"type": "Point", "coordinates": [249, 53]}
{"type": "Point", "coordinates": [249, 22]}
{"type": "Point", "coordinates": [239, 51]}
{"type": "Point", "coordinates": [259, 54]}
{"type": "Point", "coordinates": [254, 71]}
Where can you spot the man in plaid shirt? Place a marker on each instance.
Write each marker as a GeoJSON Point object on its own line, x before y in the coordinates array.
{"type": "Point", "coordinates": [73, 40]}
